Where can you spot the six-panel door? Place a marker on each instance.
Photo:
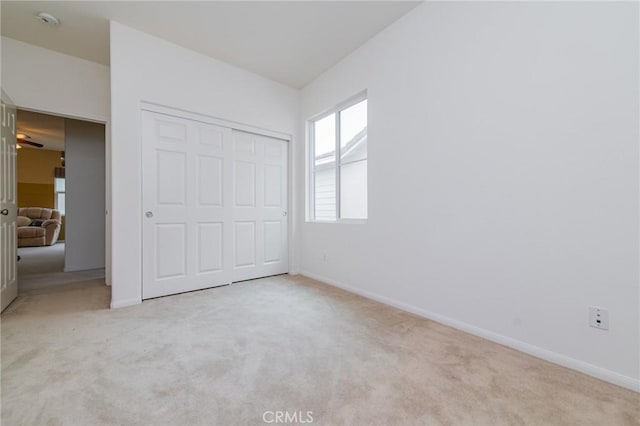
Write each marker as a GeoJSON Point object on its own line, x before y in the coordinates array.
{"type": "Point", "coordinates": [260, 206]}
{"type": "Point", "coordinates": [186, 207]}
{"type": "Point", "coordinates": [214, 205]}
{"type": "Point", "coordinates": [8, 206]}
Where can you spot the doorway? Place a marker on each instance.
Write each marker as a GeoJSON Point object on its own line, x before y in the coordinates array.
{"type": "Point", "coordinates": [60, 196]}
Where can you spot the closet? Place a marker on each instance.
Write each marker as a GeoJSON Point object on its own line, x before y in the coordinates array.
{"type": "Point", "coordinates": [214, 204]}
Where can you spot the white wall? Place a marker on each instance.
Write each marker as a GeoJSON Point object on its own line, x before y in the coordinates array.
{"type": "Point", "coordinates": [85, 195]}
{"type": "Point", "coordinates": [503, 176]}
{"type": "Point", "coordinates": [146, 68]}
{"type": "Point", "coordinates": [43, 80]}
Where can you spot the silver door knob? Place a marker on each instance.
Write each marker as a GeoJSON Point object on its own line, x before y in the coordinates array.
{"type": "Point", "coordinates": [284, 213]}
{"type": "Point", "coordinates": [4, 212]}
{"type": "Point", "coordinates": [149, 214]}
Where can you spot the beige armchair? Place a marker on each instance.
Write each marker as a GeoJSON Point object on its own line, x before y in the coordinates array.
{"type": "Point", "coordinates": [45, 233]}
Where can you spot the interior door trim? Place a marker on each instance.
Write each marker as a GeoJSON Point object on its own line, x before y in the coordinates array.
{"type": "Point", "coordinates": [189, 115]}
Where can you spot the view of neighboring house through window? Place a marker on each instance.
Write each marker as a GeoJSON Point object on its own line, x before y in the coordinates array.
{"type": "Point", "coordinates": [338, 172]}
{"type": "Point", "coordinates": [58, 185]}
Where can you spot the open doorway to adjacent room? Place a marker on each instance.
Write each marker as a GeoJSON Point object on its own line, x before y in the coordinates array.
{"type": "Point", "coordinates": [60, 194]}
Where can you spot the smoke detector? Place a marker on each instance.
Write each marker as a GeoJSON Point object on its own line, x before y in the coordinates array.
{"type": "Point", "coordinates": [48, 18]}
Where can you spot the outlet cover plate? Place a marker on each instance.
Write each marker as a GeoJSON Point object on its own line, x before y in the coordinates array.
{"type": "Point", "coordinates": [598, 318]}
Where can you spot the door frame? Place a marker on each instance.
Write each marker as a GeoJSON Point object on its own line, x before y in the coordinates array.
{"type": "Point", "coordinates": [194, 116]}
{"type": "Point", "coordinates": [107, 178]}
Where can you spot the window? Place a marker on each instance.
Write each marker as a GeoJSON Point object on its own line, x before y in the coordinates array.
{"type": "Point", "coordinates": [338, 163]}
{"type": "Point", "coordinates": [58, 186]}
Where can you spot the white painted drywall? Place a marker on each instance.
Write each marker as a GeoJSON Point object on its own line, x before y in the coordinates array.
{"type": "Point", "coordinates": [146, 68]}
{"type": "Point", "coordinates": [85, 195]}
{"type": "Point", "coordinates": [43, 80]}
{"type": "Point", "coordinates": [503, 175]}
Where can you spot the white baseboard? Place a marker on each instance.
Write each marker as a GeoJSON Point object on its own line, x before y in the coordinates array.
{"type": "Point", "coordinates": [547, 355]}
{"type": "Point", "coordinates": [115, 304]}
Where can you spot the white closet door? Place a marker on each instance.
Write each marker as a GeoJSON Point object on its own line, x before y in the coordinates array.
{"type": "Point", "coordinates": [260, 221]}
{"type": "Point", "coordinates": [187, 235]}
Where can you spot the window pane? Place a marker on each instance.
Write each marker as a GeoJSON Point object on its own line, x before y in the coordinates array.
{"type": "Point", "coordinates": [325, 194]}
{"type": "Point", "coordinates": [353, 190]}
{"type": "Point", "coordinates": [60, 201]}
{"type": "Point", "coordinates": [58, 184]}
{"type": "Point", "coordinates": [325, 136]}
{"type": "Point", "coordinates": [325, 168]}
{"type": "Point", "coordinates": [353, 133]}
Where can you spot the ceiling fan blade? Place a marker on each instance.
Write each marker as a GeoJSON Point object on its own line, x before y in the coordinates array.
{"type": "Point", "coordinates": [24, 141]}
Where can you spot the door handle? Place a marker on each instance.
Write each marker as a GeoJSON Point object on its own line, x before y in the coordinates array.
{"type": "Point", "coordinates": [149, 214]}
{"type": "Point", "coordinates": [284, 213]}
{"type": "Point", "coordinates": [4, 212]}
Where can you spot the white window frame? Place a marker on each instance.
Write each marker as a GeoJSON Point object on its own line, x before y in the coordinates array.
{"type": "Point", "coordinates": [310, 171]}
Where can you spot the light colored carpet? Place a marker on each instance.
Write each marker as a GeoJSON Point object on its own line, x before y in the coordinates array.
{"type": "Point", "coordinates": [227, 355]}
{"type": "Point", "coordinates": [41, 260]}
{"type": "Point", "coordinates": [41, 267]}
{"type": "Point", "coordinates": [36, 281]}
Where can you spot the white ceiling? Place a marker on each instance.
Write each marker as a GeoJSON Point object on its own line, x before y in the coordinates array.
{"type": "Point", "coordinates": [42, 128]}
{"type": "Point", "coordinates": [288, 41]}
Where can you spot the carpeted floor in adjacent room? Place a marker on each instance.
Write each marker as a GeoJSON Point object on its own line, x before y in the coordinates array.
{"type": "Point", "coordinates": [227, 355]}
{"type": "Point", "coordinates": [43, 266]}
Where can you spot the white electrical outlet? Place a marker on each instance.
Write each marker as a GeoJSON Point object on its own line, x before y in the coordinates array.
{"type": "Point", "coordinates": [598, 317]}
